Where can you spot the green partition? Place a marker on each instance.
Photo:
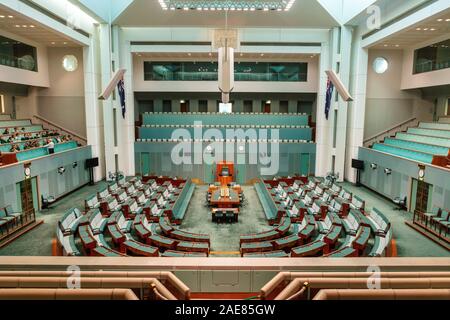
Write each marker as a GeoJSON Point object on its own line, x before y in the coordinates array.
{"type": "Point", "coordinates": [283, 133]}
{"type": "Point", "coordinates": [225, 119]}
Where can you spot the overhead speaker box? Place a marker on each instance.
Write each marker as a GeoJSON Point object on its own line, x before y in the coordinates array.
{"type": "Point", "coordinates": [112, 84]}
{"type": "Point", "coordinates": [340, 87]}
{"type": "Point", "coordinates": [357, 164]}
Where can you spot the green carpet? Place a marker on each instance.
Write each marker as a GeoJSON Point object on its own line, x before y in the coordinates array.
{"type": "Point", "coordinates": [224, 237]}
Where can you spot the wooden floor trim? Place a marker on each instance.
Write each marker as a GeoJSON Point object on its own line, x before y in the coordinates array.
{"type": "Point", "coordinates": [425, 233]}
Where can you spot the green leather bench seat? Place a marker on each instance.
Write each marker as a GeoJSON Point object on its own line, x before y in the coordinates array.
{"type": "Point", "coordinates": [333, 235]}
{"type": "Point", "coordinates": [283, 133]}
{"type": "Point", "coordinates": [284, 226]}
{"type": "Point", "coordinates": [14, 123]}
{"type": "Point", "coordinates": [86, 236]}
{"type": "Point", "coordinates": [188, 236]}
{"type": "Point", "coordinates": [269, 207]}
{"type": "Point", "coordinates": [142, 232]}
{"type": "Point", "coordinates": [180, 207]}
{"type": "Point", "coordinates": [67, 242]}
{"type": "Point", "coordinates": [248, 247]}
{"type": "Point", "coordinates": [362, 237]}
{"type": "Point", "coordinates": [435, 125]}
{"type": "Point", "coordinates": [224, 119]}
{"type": "Point", "coordinates": [287, 242]}
{"type": "Point", "coordinates": [69, 221]}
{"type": "Point", "coordinates": [343, 253]}
{"type": "Point", "coordinates": [417, 146]}
{"type": "Point", "coordinates": [270, 254]}
{"type": "Point", "coordinates": [117, 236]}
{"type": "Point", "coordinates": [140, 249]}
{"type": "Point", "coordinates": [438, 141]}
{"type": "Point", "coordinates": [31, 154]}
{"type": "Point", "coordinates": [309, 228]}
{"type": "Point", "coordinates": [378, 222]}
{"type": "Point", "coordinates": [162, 242]}
{"type": "Point", "coordinates": [380, 244]}
{"type": "Point", "coordinates": [179, 254]}
{"type": "Point", "coordinates": [258, 237]}
{"type": "Point", "coordinates": [165, 225]}
{"type": "Point", "coordinates": [309, 250]}
{"type": "Point", "coordinates": [106, 252]}
{"type": "Point", "coordinates": [405, 153]}
{"type": "Point", "coordinates": [193, 246]}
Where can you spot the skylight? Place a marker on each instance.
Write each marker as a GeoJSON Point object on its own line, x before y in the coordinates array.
{"type": "Point", "coordinates": [231, 5]}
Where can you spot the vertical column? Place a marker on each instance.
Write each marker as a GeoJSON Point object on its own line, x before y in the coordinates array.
{"type": "Point", "coordinates": [275, 106]}
{"type": "Point", "coordinates": [193, 105]}
{"type": "Point", "coordinates": [344, 59]}
{"type": "Point", "coordinates": [357, 108]}
{"type": "Point", "coordinates": [324, 127]}
{"type": "Point", "coordinates": [94, 121]}
{"type": "Point", "coordinates": [212, 106]}
{"type": "Point", "coordinates": [108, 118]}
{"type": "Point", "coordinates": [158, 105]}
{"type": "Point", "coordinates": [292, 106]}
{"type": "Point", "coordinates": [127, 137]}
{"type": "Point", "coordinates": [257, 106]}
{"type": "Point", "coordinates": [238, 106]}
{"type": "Point", "coordinates": [176, 106]}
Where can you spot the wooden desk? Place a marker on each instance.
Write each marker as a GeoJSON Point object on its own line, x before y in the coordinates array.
{"type": "Point", "coordinates": [225, 202]}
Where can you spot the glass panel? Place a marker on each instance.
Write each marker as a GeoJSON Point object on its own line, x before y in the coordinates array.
{"type": "Point", "coordinates": [207, 71]}
{"type": "Point", "coordinates": [17, 54]}
{"type": "Point", "coordinates": [433, 57]}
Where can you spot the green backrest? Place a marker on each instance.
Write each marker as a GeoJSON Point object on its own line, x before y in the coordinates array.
{"type": "Point", "coordinates": [31, 154]}
{"type": "Point", "coordinates": [65, 146]}
{"type": "Point", "coordinates": [14, 123]}
{"type": "Point", "coordinates": [430, 132]}
{"type": "Point", "coordinates": [2, 213]}
{"type": "Point", "coordinates": [435, 150]}
{"type": "Point", "coordinates": [413, 155]}
{"type": "Point", "coordinates": [225, 119]}
{"type": "Point", "coordinates": [443, 142]}
{"type": "Point", "coordinates": [435, 125]}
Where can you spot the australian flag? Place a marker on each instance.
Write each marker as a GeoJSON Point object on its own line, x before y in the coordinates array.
{"type": "Point", "coordinates": [329, 96]}
{"type": "Point", "coordinates": [121, 88]}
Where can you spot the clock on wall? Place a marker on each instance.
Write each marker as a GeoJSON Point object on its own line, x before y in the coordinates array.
{"type": "Point", "coordinates": [27, 172]}
{"type": "Point", "coordinates": [421, 172]}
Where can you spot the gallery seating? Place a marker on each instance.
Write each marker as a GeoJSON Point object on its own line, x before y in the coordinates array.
{"type": "Point", "coordinates": [70, 220]}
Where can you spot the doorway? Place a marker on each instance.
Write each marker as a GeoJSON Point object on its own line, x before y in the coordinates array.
{"type": "Point", "coordinates": [28, 194]}
{"type": "Point", "coordinates": [184, 106]}
{"type": "Point", "coordinates": [266, 107]}
{"type": "Point", "coordinates": [421, 196]}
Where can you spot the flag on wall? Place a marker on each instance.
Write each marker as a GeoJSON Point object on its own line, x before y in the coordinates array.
{"type": "Point", "coordinates": [121, 88]}
{"type": "Point", "coordinates": [329, 96]}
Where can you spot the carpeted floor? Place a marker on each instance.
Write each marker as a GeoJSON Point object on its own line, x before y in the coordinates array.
{"type": "Point", "coordinates": [224, 237]}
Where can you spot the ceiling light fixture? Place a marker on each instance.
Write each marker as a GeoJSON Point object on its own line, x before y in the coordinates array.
{"type": "Point", "coordinates": [2, 17]}
{"type": "Point", "coordinates": [11, 17]}
{"type": "Point", "coordinates": [232, 5]}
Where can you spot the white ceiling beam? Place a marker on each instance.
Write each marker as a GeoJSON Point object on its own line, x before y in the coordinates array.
{"type": "Point", "coordinates": [434, 9]}
{"type": "Point", "coordinates": [45, 21]}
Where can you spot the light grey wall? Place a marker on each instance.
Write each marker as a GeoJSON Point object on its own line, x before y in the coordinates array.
{"type": "Point", "coordinates": [288, 156]}
{"type": "Point", "coordinates": [386, 104]}
{"type": "Point", "coordinates": [64, 102]}
{"type": "Point", "coordinates": [398, 184]}
{"type": "Point", "coordinates": [50, 182]}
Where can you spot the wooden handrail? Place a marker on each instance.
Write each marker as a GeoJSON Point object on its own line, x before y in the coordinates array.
{"type": "Point", "coordinates": [380, 134]}
{"type": "Point", "coordinates": [61, 128]}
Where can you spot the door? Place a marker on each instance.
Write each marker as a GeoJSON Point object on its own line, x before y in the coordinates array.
{"type": "Point", "coordinates": [145, 163]}
{"type": "Point", "coordinates": [266, 107]}
{"type": "Point", "coordinates": [240, 174]}
{"type": "Point", "coordinates": [210, 173]}
{"type": "Point", "coordinates": [422, 196]}
{"type": "Point", "coordinates": [184, 106]}
{"type": "Point", "coordinates": [28, 194]}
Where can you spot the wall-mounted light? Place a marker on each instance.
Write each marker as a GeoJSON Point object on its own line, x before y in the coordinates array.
{"type": "Point", "coordinates": [75, 164]}
{"type": "Point", "coordinates": [387, 171]}
{"type": "Point", "coordinates": [373, 166]}
{"type": "Point", "coordinates": [61, 170]}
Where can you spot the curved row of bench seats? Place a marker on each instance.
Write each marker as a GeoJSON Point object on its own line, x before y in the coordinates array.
{"type": "Point", "coordinates": [322, 213]}
{"type": "Point", "coordinates": [302, 141]}
{"type": "Point", "coordinates": [228, 126]}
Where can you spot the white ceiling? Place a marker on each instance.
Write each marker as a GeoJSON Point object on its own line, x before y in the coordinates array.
{"type": "Point", "coordinates": [412, 36]}
{"type": "Point", "coordinates": [32, 30]}
{"type": "Point", "coordinates": [303, 14]}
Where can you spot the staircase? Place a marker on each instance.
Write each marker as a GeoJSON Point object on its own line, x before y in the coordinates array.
{"type": "Point", "coordinates": [379, 137]}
